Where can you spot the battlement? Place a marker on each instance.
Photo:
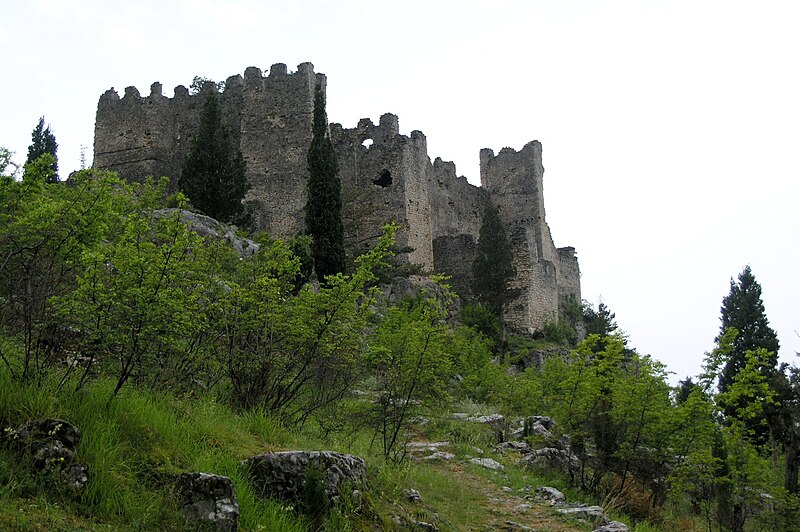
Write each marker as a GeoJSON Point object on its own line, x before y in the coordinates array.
{"type": "Point", "coordinates": [386, 176]}
{"type": "Point", "coordinates": [253, 78]}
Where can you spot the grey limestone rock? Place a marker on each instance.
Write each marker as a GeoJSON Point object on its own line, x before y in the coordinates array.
{"type": "Point", "coordinates": [40, 431]}
{"type": "Point", "coordinates": [519, 446]}
{"type": "Point", "coordinates": [491, 419]}
{"type": "Point", "coordinates": [440, 455]}
{"type": "Point", "coordinates": [548, 458]}
{"type": "Point", "coordinates": [544, 421]}
{"type": "Point", "coordinates": [283, 474]}
{"type": "Point", "coordinates": [75, 477]}
{"type": "Point", "coordinates": [51, 444]}
{"type": "Point", "coordinates": [412, 495]}
{"type": "Point", "coordinates": [592, 514]}
{"type": "Point", "coordinates": [209, 227]}
{"type": "Point", "coordinates": [613, 526]}
{"type": "Point", "coordinates": [488, 463]}
{"type": "Point", "coordinates": [208, 500]}
{"type": "Point", "coordinates": [426, 446]}
{"type": "Point", "coordinates": [551, 496]}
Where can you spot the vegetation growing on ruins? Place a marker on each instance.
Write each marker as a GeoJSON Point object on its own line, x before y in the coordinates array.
{"type": "Point", "coordinates": [174, 353]}
{"type": "Point", "coordinates": [213, 175]}
{"type": "Point", "coordinates": [324, 201]}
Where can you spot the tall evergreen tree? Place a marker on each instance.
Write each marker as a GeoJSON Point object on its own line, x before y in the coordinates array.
{"type": "Point", "coordinates": [43, 141]}
{"type": "Point", "coordinates": [324, 203]}
{"type": "Point", "coordinates": [743, 310]}
{"type": "Point", "coordinates": [213, 176]}
{"type": "Point", "coordinates": [493, 269]}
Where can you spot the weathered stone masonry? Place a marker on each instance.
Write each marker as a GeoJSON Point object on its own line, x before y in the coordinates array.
{"type": "Point", "coordinates": [389, 178]}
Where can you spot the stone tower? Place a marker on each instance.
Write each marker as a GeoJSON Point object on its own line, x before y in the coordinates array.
{"type": "Point", "coordinates": [386, 176]}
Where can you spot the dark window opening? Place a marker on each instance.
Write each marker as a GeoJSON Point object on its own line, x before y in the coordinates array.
{"type": "Point", "coordinates": [384, 180]}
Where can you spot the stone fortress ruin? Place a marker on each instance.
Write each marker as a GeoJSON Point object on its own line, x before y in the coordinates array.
{"type": "Point", "coordinates": [385, 176]}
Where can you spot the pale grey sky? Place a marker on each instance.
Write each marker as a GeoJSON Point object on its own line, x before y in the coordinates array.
{"type": "Point", "coordinates": [670, 129]}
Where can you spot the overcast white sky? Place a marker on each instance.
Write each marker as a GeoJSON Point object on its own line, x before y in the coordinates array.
{"type": "Point", "coordinates": [670, 129]}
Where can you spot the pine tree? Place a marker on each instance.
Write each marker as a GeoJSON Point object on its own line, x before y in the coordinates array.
{"type": "Point", "coordinates": [324, 203]}
{"type": "Point", "coordinates": [743, 310]}
{"type": "Point", "coordinates": [43, 141]}
{"type": "Point", "coordinates": [493, 269]}
{"type": "Point", "coordinates": [213, 176]}
{"type": "Point", "coordinates": [600, 321]}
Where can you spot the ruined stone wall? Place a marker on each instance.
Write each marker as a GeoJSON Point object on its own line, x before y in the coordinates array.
{"type": "Point", "coordinates": [569, 274]}
{"type": "Point", "coordinates": [269, 117]}
{"type": "Point", "coordinates": [380, 170]}
{"type": "Point", "coordinates": [457, 213]}
{"type": "Point", "coordinates": [545, 275]}
{"type": "Point", "coordinates": [385, 177]}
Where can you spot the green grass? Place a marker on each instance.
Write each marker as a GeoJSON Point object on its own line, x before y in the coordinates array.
{"type": "Point", "coordinates": [132, 448]}
{"type": "Point", "coordinates": [135, 445]}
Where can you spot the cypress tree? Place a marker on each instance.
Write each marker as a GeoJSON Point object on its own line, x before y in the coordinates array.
{"type": "Point", "coordinates": [213, 176]}
{"type": "Point", "coordinates": [43, 141]}
{"type": "Point", "coordinates": [324, 203]}
{"type": "Point", "coordinates": [493, 269]}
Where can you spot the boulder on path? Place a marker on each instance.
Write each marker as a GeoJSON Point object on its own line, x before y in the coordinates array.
{"type": "Point", "coordinates": [440, 455]}
{"type": "Point", "coordinates": [208, 500]}
{"type": "Point", "coordinates": [283, 474]}
{"type": "Point", "coordinates": [551, 496]}
{"type": "Point", "coordinates": [592, 514]}
{"type": "Point", "coordinates": [488, 463]}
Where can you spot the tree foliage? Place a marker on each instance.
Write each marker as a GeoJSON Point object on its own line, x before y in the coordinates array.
{"type": "Point", "coordinates": [7, 167]}
{"type": "Point", "coordinates": [47, 229]}
{"type": "Point", "coordinates": [294, 354]}
{"type": "Point", "coordinates": [743, 312]}
{"type": "Point", "coordinates": [213, 175]}
{"type": "Point", "coordinates": [493, 269]}
{"type": "Point", "coordinates": [43, 141]}
{"type": "Point", "coordinates": [141, 296]}
{"type": "Point", "coordinates": [323, 213]}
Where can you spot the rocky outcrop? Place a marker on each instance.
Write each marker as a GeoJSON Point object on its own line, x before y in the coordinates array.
{"type": "Point", "coordinates": [592, 514]}
{"type": "Point", "coordinates": [549, 458]}
{"type": "Point", "coordinates": [208, 500]}
{"type": "Point", "coordinates": [208, 227]}
{"type": "Point", "coordinates": [283, 474]}
{"type": "Point", "coordinates": [550, 496]}
{"type": "Point", "coordinates": [50, 446]}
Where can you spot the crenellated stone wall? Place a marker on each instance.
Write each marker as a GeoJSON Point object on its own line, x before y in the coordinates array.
{"type": "Point", "coordinates": [269, 117]}
{"type": "Point", "coordinates": [385, 176]}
